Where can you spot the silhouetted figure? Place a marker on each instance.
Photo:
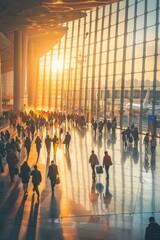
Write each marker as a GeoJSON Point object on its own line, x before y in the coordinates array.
{"type": "Point", "coordinates": [25, 175]}
{"type": "Point", "coordinates": [38, 143]}
{"type": "Point", "coordinates": [12, 160]}
{"type": "Point", "coordinates": [67, 140]}
{"type": "Point", "coordinates": [95, 128]}
{"type": "Point", "coordinates": [146, 142]}
{"type": "Point", "coordinates": [32, 129]}
{"type": "Point", "coordinates": [52, 174]}
{"type": "Point", "coordinates": [36, 179]}
{"type": "Point", "coordinates": [18, 129]}
{"type": "Point", "coordinates": [107, 163]}
{"type": "Point", "coordinates": [124, 138]}
{"type": "Point", "coordinates": [27, 145]}
{"type": "Point", "coordinates": [135, 134]}
{"type": "Point", "coordinates": [153, 230]}
{"type": "Point", "coordinates": [48, 141]}
{"type": "Point", "coordinates": [93, 160]}
{"type": "Point", "coordinates": [114, 125]}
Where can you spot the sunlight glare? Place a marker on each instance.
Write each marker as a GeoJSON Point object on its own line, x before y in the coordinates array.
{"type": "Point", "coordinates": [57, 65]}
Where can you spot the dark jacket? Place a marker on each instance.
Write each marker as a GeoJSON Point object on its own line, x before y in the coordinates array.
{"type": "Point", "coordinates": [36, 177]}
{"type": "Point", "coordinates": [52, 172]}
{"type": "Point", "coordinates": [25, 172]}
{"type": "Point", "coordinates": [152, 232]}
{"type": "Point", "coordinates": [11, 159]}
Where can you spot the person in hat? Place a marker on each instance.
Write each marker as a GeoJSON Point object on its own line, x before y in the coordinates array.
{"type": "Point", "coordinates": [153, 230]}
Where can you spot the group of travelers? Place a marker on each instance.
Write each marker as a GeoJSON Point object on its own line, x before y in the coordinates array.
{"type": "Point", "coordinates": [31, 128]}
{"type": "Point", "coordinates": [130, 136]}
{"type": "Point", "coordinates": [94, 162]}
{"type": "Point", "coordinates": [110, 125]}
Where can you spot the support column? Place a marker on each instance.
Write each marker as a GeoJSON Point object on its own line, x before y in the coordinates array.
{"type": "Point", "coordinates": [1, 110]}
{"type": "Point", "coordinates": [17, 70]}
{"type": "Point", "coordinates": [24, 68]}
{"type": "Point", "coordinates": [31, 77]}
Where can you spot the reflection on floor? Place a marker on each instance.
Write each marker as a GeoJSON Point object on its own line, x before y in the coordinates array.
{"type": "Point", "coordinates": [84, 207]}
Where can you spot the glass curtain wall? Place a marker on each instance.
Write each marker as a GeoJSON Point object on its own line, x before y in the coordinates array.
{"type": "Point", "coordinates": [106, 65]}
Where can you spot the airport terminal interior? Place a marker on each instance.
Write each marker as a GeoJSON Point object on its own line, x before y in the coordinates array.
{"type": "Point", "coordinates": [92, 60]}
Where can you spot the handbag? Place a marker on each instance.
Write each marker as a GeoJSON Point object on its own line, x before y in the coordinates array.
{"type": "Point", "coordinates": [57, 180]}
{"type": "Point", "coordinates": [99, 169]}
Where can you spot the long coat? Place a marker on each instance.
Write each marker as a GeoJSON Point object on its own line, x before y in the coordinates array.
{"type": "Point", "coordinates": [36, 177]}
{"type": "Point", "coordinates": [25, 172]}
{"type": "Point", "coordinates": [53, 172]}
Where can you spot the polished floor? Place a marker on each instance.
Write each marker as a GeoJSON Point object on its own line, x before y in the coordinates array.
{"type": "Point", "coordinates": [83, 207]}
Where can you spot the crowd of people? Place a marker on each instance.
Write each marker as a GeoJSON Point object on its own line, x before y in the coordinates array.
{"type": "Point", "coordinates": [29, 129]}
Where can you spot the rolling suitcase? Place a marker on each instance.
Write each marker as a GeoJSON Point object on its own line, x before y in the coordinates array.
{"type": "Point", "coordinates": [99, 169]}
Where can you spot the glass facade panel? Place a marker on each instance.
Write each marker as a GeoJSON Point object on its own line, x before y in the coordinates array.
{"type": "Point", "coordinates": [105, 62]}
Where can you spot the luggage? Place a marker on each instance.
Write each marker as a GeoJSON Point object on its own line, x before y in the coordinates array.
{"type": "Point", "coordinates": [99, 169]}
{"type": "Point", "coordinates": [57, 180]}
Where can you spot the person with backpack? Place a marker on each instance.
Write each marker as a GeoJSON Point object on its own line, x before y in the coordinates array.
{"type": "Point", "coordinates": [36, 179]}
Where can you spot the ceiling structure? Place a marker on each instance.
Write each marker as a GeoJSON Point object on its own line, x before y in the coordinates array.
{"type": "Point", "coordinates": [41, 20]}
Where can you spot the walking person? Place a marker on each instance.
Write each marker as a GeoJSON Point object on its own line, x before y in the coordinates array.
{"type": "Point", "coordinates": [67, 140]}
{"type": "Point", "coordinates": [32, 129]}
{"type": "Point", "coordinates": [107, 163]}
{"type": "Point", "coordinates": [95, 125]}
{"type": "Point", "coordinates": [153, 230]}
{"type": "Point", "coordinates": [12, 160]}
{"type": "Point", "coordinates": [25, 175]}
{"type": "Point", "coordinates": [93, 160]}
{"type": "Point", "coordinates": [18, 129]}
{"type": "Point", "coordinates": [27, 145]}
{"type": "Point", "coordinates": [38, 143]}
{"type": "Point", "coordinates": [48, 141]}
{"type": "Point", "coordinates": [146, 142]}
{"type": "Point", "coordinates": [36, 179]}
{"type": "Point", "coordinates": [52, 174]}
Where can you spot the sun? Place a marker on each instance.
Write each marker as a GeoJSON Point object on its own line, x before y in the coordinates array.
{"type": "Point", "coordinates": [57, 65]}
